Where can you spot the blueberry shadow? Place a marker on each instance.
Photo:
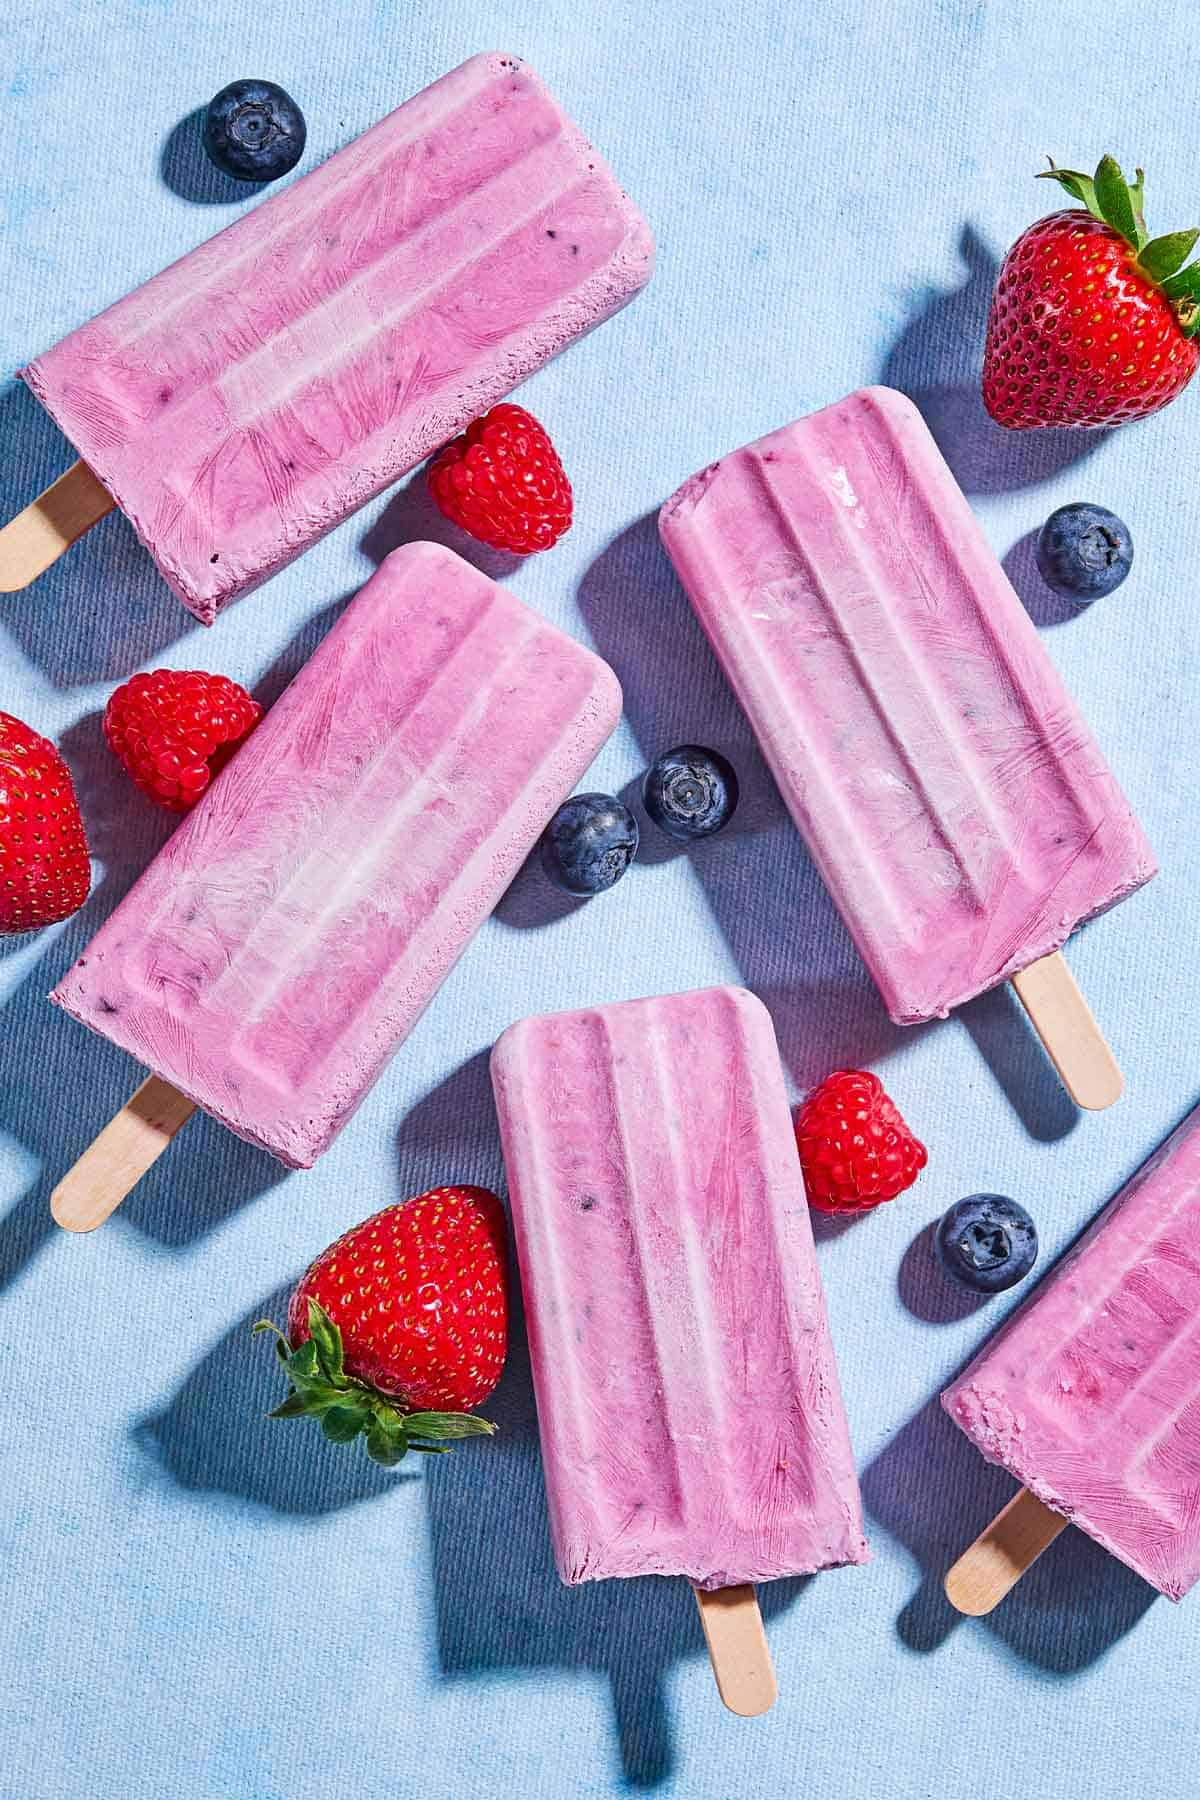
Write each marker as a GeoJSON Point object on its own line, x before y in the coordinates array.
{"type": "Point", "coordinates": [413, 516]}
{"type": "Point", "coordinates": [186, 169]}
{"type": "Point", "coordinates": [509, 1610]}
{"type": "Point", "coordinates": [215, 1437]}
{"type": "Point", "coordinates": [1043, 605]}
{"type": "Point", "coordinates": [1008, 1045]}
{"type": "Point", "coordinates": [102, 608]}
{"type": "Point", "coordinates": [768, 900]}
{"type": "Point", "coordinates": [930, 1489]}
{"type": "Point", "coordinates": [532, 899]}
{"type": "Point", "coordinates": [925, 1288]}
{"type": "Point", "coordinates": [936, 361]}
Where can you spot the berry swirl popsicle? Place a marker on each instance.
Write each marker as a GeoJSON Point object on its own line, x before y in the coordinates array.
{"type": "Point", "coordinates": [953, 799]}
{"type": "Point", "coordinates": [248, 399]}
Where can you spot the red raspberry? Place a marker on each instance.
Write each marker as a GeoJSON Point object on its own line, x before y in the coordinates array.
{"type": "Point", "coordinates": [502, 481]}
{"type": "Point", "coordinates": [855, 1149]}
{"type": "Point", "coordinates": [175, 729]}
{"type": "Point", "coordinates": [44, 870]}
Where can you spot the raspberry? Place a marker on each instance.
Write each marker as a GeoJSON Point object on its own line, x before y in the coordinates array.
{"type": "Point", "coordinates": [502, 481]}
{"type": "Point", "coordinates": [175, 729]}
{"type": "Point", "coordinates": [855, 1149]}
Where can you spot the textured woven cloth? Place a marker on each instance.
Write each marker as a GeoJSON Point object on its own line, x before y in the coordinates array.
{"type": "Point", "coordinates": [199, 1604]}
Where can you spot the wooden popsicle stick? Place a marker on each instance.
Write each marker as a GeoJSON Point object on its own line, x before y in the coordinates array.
{"type": "Point", "coordinates": [738, 1648]}
{"type": "Point", "coordinates": [1000, 1555]}
{"type": "Point", "coordinates": [1063, 1020]}
{"type": "Point", "coordinates": [114, 1164]}
{"type": "Point", "coordinates": [38, 536]}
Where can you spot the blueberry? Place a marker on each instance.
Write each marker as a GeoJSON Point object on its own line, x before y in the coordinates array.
{"type": "Point", "coordinates": [254, 131]}
{"type": "Point", "coordinates": [690, 793]}
{"type": "Point", "coordinates": [987, 1242]}
{"type": "Point", "coordinates": [1084, 551]}
{"type": "Point", "coordinates": [589, 843]}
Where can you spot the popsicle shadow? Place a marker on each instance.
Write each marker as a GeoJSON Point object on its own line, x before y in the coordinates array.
{"type": "Point", "coordinates": [102, 608]}
{"type": "Point", "coordinates": [500, 1603]}
{"type": "Point", "coordinates": [930, 1489]}
{"type": "Point", "coordinates": [765, 893]}
{"type": "Point", "coordinates": [411, 515]}
{"type": "Point", "coordinates": [937, 360]}
{"type": "Point", "coordinates": [185, 167]}
{"type": "Point", "coordinates": [1006, 1041]}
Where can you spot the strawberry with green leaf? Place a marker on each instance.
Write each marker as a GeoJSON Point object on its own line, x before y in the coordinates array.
{"type": "Point", "coordinates": [1093, 321]}
{"type": "Point", "coordinates": [400, 1327]}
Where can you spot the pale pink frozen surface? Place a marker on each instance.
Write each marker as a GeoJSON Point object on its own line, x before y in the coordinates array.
{"type": "Point", "coordinates": [688, 1400]}
{"type": "Point", "coordinates": [243, 402]}
{"type": "Point", "coordinates": [955, 803]}
{"type": "Point", "coordinates": [1090, 1394]}
{"type": "Point", "coordinates": [293, 929]}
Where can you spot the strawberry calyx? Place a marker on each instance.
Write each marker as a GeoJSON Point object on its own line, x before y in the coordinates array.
{"type": "Point", "coordinates": [1117, 203]}
{"type": "Point", "coordinates": [321, 1388]}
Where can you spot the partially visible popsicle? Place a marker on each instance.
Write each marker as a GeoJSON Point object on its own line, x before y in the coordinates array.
{"type": "Point", "coordinates": [242, 403]}
{"type": "Point", "coordinates": [958, 808]}
{"type": "Point", "coordinates": [688, 1401]}
{"type": "Point", "coordinates": [1090, 1394]}
{"type": "Point", "coordinates": [291, 932]}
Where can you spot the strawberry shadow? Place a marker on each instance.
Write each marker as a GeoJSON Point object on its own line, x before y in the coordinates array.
{"type": "Point", "coordinates": [937, 360]}
{"type": "Point", "coordinates": [214, 1436]}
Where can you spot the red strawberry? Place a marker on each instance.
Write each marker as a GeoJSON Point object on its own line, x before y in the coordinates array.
{"type": "Point", "coordinates": [44, 870]}
{"type": "Point", "coordinates": [401, 1325]}
{"type": "Point", "coordinates": [504, 483]}
{"type": "Point", "coordinates": [855, 1149]}
{"type": "Point", "coordinates": [1092, 321]}
{"type": "Point", "coordinates": [175, 729]}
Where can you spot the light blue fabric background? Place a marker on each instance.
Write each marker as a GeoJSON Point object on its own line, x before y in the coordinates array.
{"type": "Point", "coordinates": [204, 1606]}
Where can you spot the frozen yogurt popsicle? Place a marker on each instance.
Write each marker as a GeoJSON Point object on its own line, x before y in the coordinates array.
{"type": "Point", "coordinates": [958, 808]}
{"type": "Point", "coordinates": [688, 1402]}
{"type": "Point", "coordinates": [1090, 1394]}
{"type": "Point", "coordinates": [291, 932]}
{"type": "Point", "coordinates": [242, 403]}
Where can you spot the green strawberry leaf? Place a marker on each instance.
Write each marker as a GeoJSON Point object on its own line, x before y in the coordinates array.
{"type": "Point", "coordinates": [328, 1340]}
{"type": "Point", "coordinates": [1080, 187]}
{"type": "Point", "coordinates": [294, 1407]}
{"type": "Point", "coordinates": [387, 1440]}
{"type": "Point", "coordinates": [1137, 193]}
{"type": "Point", "coordinates": [448, 1425]}
{"type": "Point", "coordinates": [1115, 201]}
{"type": "Point", "coordinates": [342, 1423]}
{"type": "Point", "coordinates": [1165, 256]}
{"type": "Point", "coordinates": [302, 1363]}
{"type": "Point", "coordinates": [1183, 291]}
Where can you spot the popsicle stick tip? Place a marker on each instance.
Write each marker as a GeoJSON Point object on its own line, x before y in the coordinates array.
{"type": "Point", "coordinates": [111, 1166]}
{"type": "Point", "coordinates": [1000, 1555]}
{"type": "Point", "coordinates": [38, 536]}
{"type": "Point", "coordinates": [738, 1649]}
{"type": "Point", "coordinates": [1074, 1043]}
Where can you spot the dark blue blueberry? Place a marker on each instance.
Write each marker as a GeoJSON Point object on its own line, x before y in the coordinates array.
{"type": "Point", "coordinates": [987, 1242]}
{"type": "Point", "coordinates": [254, 131]}
{"type": "Point", "coordinates": [1084, 551]}
{"type": "Point", "coordinates": [690, 793]}
{"type": "Point", "coordinates": [589, 843]}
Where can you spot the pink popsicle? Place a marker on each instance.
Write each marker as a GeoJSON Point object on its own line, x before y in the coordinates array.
{"type": "Point", "coordinates": [688, 1401]}
{"type": "Point", "coordinates": [245, 401]}
{"type": "Point", "coordinates": [954, 801]}
{"type": "Point", "coordinates": [289, 935]}
{"type": "Point", "coordinates": [1090, 1394]}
